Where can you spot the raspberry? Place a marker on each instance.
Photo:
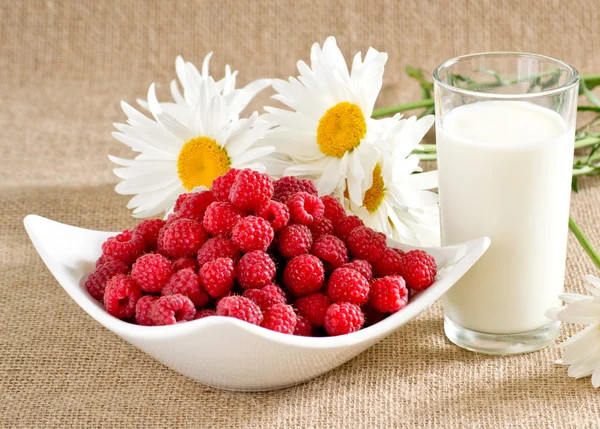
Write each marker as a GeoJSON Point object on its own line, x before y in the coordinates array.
{"type": "Point", "coordinates": [220, 218]}
{"type": "Point", "coordinates": [346, 225]}
{"type": "Point", "coordinates": [103, 259]}
{"type": "Point", "coordinates": [149, 230]}
{"type": "Point", "coordinates": [304, 275]}
{"type": "Point", "coordinates": [313, 308]}
{"type": "Point", "coordinates": [290, 185]}
{"type": "Point", "coordinates": [280, 318]}
{"type": "Point", "coordinates": [252, 233]}
{"type": "Point", "coordinates": [251, 189]}
{"type": "Point", "coordinates": [303, 327]}
{"type": "Point", "coordinates": [331, 250]}
{"type": "Point", "coordinates": [172, 309]}
{"type": "Point", "coordinates": [183, 238]}
{"type": "Point", "coordinates": [152, 271]}
{"type": "Point", "coordinates": [388, 263]}
{"type": "Point", "coordinates": [398, 251]}
{"type": "Point", "coordinates": [121, 296]}
{"type": "Point", "coordinates": [185, 262]}
{"type": "Point", "coordinates": [217, 247]}
{"type": "Point", "coordinates": [418, 269]}
{"type": "Point", "coordinates": [195, 205]}
{"type": "Point", "coordinates": [323, 227]}
{"type": "Point", "coordinates": [255, 270]}
{"type": "Point", "coordinates": [389, 294]}
{"type": "Point", "coordinates": [143, 310]}
{"type": "Point", "coordinates": [294, 240]}
{"type": "Point", "coordinates": [343, 318]}
{"type": "Point", "coordinates": [364, 243]}
{"type": "Point", "coordinates": [266, 297]}
{"type": "Point", "coordinates": [334, 211]}
{"type": "Point", "coordinates": [222, 185]}
{"type": "Point", "coordinates": [96, 282]}
{"type": "Point", "coordinates": [186, 282]}
{"type": "Point", "coordinates": [372, 316]}
{"type": "Point", "coordinates": [125, 247]}
{"type": "Point", "coordinates": [361, 266]}
{"type": "Point", "coordinates": [217, 277]}
{"type": "Point", "coordinates": [180, 200]}
{"type": "Point", "coordinates": [348, 285]}
{"type": "Point", "coordinates": [276, 213]}
{"type": "Point", "coordinates": [240, 308]}
{"type": "Point", "coordinates": [205, 312]}
{"type": "Point", "coordinates": [305, 208]}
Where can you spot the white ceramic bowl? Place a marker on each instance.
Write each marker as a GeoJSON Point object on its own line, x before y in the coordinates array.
{"type": "Point", "coordinates": [225, 352]}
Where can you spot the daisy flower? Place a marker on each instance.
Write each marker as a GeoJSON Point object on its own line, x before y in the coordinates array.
{"type": "Point", "coordinates": [398, 202]}
{"type": "Point", "coordinates": [329, 134]}
{"type": "Point", "coordinates": [582, 350]}
{"type": "Point", "coordinates": [185, 145]}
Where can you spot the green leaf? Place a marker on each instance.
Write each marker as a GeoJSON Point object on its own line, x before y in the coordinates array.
{"type": "Point", "coordinates": [588, 108]}
{"type": "Point", "coordinates": [575, 184]}
{"type": "Point", "coordinates": [594, 150]}
{"type": "Point", "coordinates": [589, 94]}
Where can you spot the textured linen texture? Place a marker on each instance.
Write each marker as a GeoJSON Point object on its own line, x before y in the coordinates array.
{"type": "Point", "coordinates": [64, 67]}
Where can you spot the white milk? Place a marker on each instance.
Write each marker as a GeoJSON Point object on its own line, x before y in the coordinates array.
{"type": "Point", "coordinates": [505, 172]}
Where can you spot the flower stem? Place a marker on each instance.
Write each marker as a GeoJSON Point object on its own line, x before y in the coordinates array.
{"type": "Point", "coordinates": [428, 102]}
{"type": "Point", "coordinates": [588, 141]}
{"type": "Point", "coordinates": [584, 242]}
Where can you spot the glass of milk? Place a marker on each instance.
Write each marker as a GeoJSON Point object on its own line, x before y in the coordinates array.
{"type": "Point", "coordinates": [505, 125]}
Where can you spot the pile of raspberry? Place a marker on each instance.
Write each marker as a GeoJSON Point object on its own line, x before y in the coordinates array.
{"type": "Point", "coordinates": [268, 252]}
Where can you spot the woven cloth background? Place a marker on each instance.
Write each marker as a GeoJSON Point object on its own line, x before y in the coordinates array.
{"type": "Point", "coordinates": [64, 66]}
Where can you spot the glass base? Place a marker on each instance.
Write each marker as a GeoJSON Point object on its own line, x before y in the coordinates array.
{"type": "Point", "coordinates": [501, 344]}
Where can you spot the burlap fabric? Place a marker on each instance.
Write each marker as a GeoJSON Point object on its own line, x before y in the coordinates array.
{"type": "Point", "coordinates": [64, 66]}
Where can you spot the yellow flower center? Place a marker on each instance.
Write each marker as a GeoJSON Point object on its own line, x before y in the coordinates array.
{"type": "Point", "coordinates": [374, 195]}
{"type": "Point", "coordinates": [201, 161]}
{"type": "Point", "coordinates": [341, 129]}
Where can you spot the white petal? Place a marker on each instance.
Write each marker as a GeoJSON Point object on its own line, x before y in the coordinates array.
{"type": "Point", "coordinates": [172, 124]}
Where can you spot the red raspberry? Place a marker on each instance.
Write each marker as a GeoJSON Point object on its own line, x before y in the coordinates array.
{"type": "Point", "coordinates": [143, 310]}
{"type": "Point", "coordinates": [183, 238]}
{"type": "Point", "coordinates": [290, 185]}
{"type": "Point", "coordinates": [331, 250]}
{"type": "Point", "coordinates": [185, 262]}
{"type": "Point", "coordinates": [276, 213]}
{"type": "Point", "coordinates": [180, 200]}
{"type": "Point", "coordinates": [348, 285]}
{"type": "Point", "coordinates": [252, 233]}
{"type": "Point", "coordinates": [152, 271]}
{"type": "Point", "coordinates": [96, 282]}
{"type": "Point", "coordinates": [343, 318]}
{"type": "Point", "coordinates": [217, 276]}
{"type": "Point", "coordinates": [304, 275]}
{"type": "Point", "coordinates": [305, 208]}
{"type": "Point", "coordinates": [388, 263]}
{"type": "Point", "coordinates": [125, 247]}
{"type": "Point", "coordinates": [121, 296]}
{"type": "Point", "coordinates": [103, 259]}
{"type": "Point", "coordinates": [220, 218]}
{"type": "Point", "coordinates": [195, 205]}
{"type": "Point", "coordinates": [280, 318]}
{"type": "Point", "coordinates": [364, 243]}
{"type": "Point", "coordinates": [389, 294]}
{"type": "Point", "coordinates": [266, 297]}
{"type": "Point", "coordinates": [398, 251]}
{"type": "Point", "coordinates": [313, 307]}
{"type": "Point", "coordinates": [303, 327]}
{"type": "Point", "coordinates": [346, 225]}
{"type": "Point", "coordinates": [240, 308]}
{"type": "Point", "coordinates": [251, 189]}
{"type": "Point", "coordinates": [217, 247]}
{"type": "Point", "coordinates": [372, 316]}
{"type": "Point", "coordinates": [418, 269]}
{"type": "Point", "coordinates": [361, 266]}
{"type": "Point", "coordinates": [294, 240]}
{"type": "Point", "coordinates": [205, 312]}
{"type": "Point", "coordinates": [254, 270]}
{"type": "Point", "coordinates": [149, 230]}
{"type": "Point", "coordinates": [222, 185]}
{"type": "Point", "coordinates": [323, 227]}
{"type": "Point", "coordinates": [334, 210]}
{"type": "Point", "coordinates": [172, 309]}
{"type": "Point", "coordinates": [186, 282]}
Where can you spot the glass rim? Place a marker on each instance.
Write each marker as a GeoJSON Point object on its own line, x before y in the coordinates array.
{"type": "Point", "coordinates": [544, 93]}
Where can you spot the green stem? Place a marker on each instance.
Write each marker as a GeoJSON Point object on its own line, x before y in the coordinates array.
{"type": "Point", "coordinates": [584, 170]}
{"type": "Point", "coordinates": [588, 141]}
{"type": "Point", "coordinates": [428, 102]}
{"type": "Point", "coordinates": [585, 159]}
{"type": "Point", "coordinates": [427, 148]}
{"type": "Point", "coordinates": [578, 233]}
{"type": "Point", "coordinates": [588, 108]}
